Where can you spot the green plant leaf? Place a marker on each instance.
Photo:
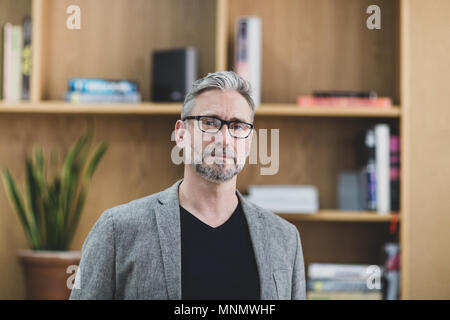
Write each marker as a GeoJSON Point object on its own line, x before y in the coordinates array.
{"type": "Point", "coordinates": [94, 161]}
{"type": "Point", "coordinates": [17, 203]}
{"type": "Point", "coordinates": [69, 174]}
{"type": "Point", "coordinates": [77, 213]}
{"type": "Point", "coordinates": [36, 216]}
{"type": "Point", "coordinates": [91, 167]}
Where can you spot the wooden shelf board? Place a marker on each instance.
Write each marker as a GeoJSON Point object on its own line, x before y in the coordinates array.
{"type": "Point", "coordinates": [97, 108]}
{"type": "Point", "coordinates": [175, 108]}
{"type": "Point", "coordinates": [338, 111]}
{"type": "Point", "coordinates": [341, 216]}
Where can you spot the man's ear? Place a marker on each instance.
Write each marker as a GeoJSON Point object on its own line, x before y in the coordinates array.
{"type": "Point", "coordinates": [180, 134]}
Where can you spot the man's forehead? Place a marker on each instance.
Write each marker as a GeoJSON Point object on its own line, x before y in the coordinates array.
{"type": "Point", "coordinates": [226, 104]}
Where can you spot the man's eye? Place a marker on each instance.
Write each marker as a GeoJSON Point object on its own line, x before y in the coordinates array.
{"type": "Point", "coordinates": [238, 126]}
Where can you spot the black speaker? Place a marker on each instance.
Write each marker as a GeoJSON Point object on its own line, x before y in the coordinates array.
{"type": "Point", "coordinates": [174, 72]}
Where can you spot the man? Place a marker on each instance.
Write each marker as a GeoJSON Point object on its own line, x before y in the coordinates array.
{"type": "Point", "coordinates": [198, 239]}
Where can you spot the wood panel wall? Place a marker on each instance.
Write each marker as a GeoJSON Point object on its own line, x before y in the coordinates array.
{"type": "Point", "coordinates": [425, 81]}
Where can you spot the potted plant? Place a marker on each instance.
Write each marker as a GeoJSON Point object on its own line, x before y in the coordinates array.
{"type": "Point", "coordinates": [49, 211]}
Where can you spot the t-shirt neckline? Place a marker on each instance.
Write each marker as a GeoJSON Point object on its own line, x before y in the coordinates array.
{"type": "Point", "coordinates": [228, 221]}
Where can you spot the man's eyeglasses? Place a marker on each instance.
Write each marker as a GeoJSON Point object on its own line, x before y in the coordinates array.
{"type": "Point", "coordinates": [211, 124]}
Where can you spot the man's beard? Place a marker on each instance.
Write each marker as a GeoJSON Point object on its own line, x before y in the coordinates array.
{"type": "Point", "coordinates": [216, 170]}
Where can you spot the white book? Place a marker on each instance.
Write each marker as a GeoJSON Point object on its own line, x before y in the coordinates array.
{"type": "Point", "coordinates": [383, 190]}
{"type": "Point", "coordinates": [248, 53]}
{"type": "Point", "coordinates": [191, 64]}
{"type": "Point", "coordinates": [285, 198]}
{"type": "Point", "coordinates": [7, 34]}
{"type": "Point", "coordinates": [339, 271]}
{"type": "Point", "coordinates": [13, 68]}
{"type": "Point", "coordinates": [376, 295]}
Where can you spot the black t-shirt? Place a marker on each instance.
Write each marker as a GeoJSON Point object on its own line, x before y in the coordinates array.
{"type": "Point", "coordinates": [217, 263]}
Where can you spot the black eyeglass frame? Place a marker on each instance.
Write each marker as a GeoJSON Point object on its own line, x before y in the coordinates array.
{"type": "Point", "coordinates": [222, 122]}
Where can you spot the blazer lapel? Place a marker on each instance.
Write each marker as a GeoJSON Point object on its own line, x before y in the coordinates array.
{"type": "Point", "coordinates": [169, 230]}
{"type": "Point", "coordinates": [257, 230]}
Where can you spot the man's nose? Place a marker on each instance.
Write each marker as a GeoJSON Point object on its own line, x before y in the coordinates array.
{"type": "Point", "coordinates": [227, 139]}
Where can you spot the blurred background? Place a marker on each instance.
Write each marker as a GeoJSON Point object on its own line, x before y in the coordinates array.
{"type": "Point", "coordinates": [355, 87]}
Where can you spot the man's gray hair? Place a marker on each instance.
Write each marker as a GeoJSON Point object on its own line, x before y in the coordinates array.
{"type": "Point", "coordinates": [219, 80]}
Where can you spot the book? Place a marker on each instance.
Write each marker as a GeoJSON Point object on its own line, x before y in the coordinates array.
{"type": "Point", "coordinates": [26, 58]}
{"type": "Point", "coordinates": [336, 285]}
{"type": "Point", "coordinates": [311, 101]}
{"type": "Point", "coordinates": [337, 281]}
{"type": "Point", "coordinates": [6, 61]}
{"type": "Point", "coordinates": [376, 295]}
{"type": "Point", "coordinates": [80, 97]}
{"type": "Point", "coordinates": [285, 198]}
{"type": "Point", "coordinates": [2, 40]}
{"type": "Point", "coordinates": [102, 86]}
{"type": "Point", "coordinates": [248, 53]}
{"type": "Point", "coordinates": [338, 271]}
{"type": "Point", "coordinates": [357, 94]}
{"type": "Point", "coordinates": [394, 146]}
{"type": "Point", "coordinates": [363, 189]}
{"type": "Point", "coordinates": [12, 62]}
{"type": "Point", "coordinates": [383, 189]}
{"type": "Point", "coordinates": [371, 172]}
{"type": "Point", "coordinates": [378, 155]}
{"type": "Point", "coordinates": [15, 71]}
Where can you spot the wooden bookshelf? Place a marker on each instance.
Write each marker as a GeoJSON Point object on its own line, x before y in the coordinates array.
{"type": "Point", "coordinates": [61, 107]}
{"type": "Point", "coordinates": [308, 45]}
{"type": "Point", "coordinates": [271, 109]}
{"type": "Point", "coordinates": [340, 216]}
{"type": "Point", "coordinates": [175, 108]}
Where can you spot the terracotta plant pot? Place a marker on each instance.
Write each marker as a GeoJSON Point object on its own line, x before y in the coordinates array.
{"type": "Point", "coordinates": [45, 273]}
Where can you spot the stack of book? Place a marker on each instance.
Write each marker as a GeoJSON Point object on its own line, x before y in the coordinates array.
{"type": "Point", "coordinates": [380, 168]}
{"type": "Point", "coordinates": [343, 282]}
{"type": "Point", "coordinates": [15, 61]}
{"type": "Point", "coordinates": [285, 198]}
{"type": "Point", "coordinates": [344, 99]}
{"type": "Point", "coordinates": [90, 90]}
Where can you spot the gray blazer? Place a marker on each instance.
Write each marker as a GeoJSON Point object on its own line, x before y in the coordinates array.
{"type": "Point", "coordinates": [134, 252]}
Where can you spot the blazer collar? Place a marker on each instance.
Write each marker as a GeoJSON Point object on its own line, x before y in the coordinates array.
{"type": "Point", "coordinates": [168, 222]}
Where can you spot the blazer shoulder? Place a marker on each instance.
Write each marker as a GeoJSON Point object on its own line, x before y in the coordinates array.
{"type": "Point", "coordinates": [141, 212]}
{"type": "Point", "coordinates": [137, 209]}
{"type": "Point", "coordinates": [274, 221]}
